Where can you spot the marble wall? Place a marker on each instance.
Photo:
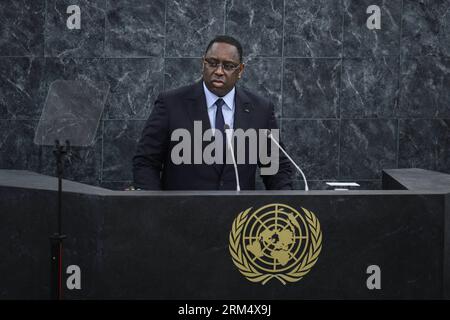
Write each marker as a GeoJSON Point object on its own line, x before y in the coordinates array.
{"type": "Point", "coordinates": [351, 101]}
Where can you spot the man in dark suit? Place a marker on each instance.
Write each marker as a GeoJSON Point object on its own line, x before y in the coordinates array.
{"type": "Point", "coordinates": [215, 101]}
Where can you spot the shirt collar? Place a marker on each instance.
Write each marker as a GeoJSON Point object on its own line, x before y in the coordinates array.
{"type": "Point", "coordinates": [211, 98]}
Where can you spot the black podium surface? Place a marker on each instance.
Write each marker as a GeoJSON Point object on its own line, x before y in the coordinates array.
{"type": "Point", "coordinates": [175, 245]}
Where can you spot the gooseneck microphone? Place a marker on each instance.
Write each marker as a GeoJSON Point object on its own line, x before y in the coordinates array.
{"type": "Point", "coordinates": [269, 134]}
{"type": "Point", "coordinates": [230, 146]}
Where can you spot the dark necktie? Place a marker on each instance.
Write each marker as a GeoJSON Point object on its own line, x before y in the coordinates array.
{"type": "Point", "coordinates": [220, 121]}
{"type": "Point", "coordinates": [219, 125]}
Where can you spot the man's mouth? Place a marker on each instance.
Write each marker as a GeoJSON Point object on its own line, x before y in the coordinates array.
{"type": "Point", "coordinates": [217, 82]}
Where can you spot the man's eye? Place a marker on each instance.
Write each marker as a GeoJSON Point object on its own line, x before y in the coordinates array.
{"type": "Point", "coordinates": [228, 66]}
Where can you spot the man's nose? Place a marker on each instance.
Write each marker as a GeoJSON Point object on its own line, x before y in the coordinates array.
{"type": "Point", "coordinates": [219, 70]}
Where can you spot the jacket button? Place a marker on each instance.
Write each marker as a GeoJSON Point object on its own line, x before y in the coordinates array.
{"type": "Point", "coordinates": [221, 183]}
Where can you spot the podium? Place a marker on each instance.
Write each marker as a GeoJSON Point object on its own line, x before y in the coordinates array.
{"type": "Point", "coordinates": [176, 245]}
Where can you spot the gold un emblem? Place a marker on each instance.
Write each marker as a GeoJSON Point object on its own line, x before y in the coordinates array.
{"type": "Point", "coordinates": [275, 241]}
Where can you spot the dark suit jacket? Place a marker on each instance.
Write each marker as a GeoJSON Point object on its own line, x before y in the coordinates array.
{"type": "Point", "coordinates": [152, 165]}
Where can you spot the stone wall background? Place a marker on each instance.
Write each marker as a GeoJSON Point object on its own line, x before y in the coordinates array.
{"type": "Point", "coordinates": [350, 101]}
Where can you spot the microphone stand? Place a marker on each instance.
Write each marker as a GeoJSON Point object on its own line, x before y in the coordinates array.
{"type": "Point", "coordinates": [56, 240]}
{"type": "Point", "coordinates": [269, 134]}
{"type": "Point", "coordinates": [227, 132]}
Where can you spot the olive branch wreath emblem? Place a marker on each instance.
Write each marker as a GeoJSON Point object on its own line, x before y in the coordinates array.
{"type": "Point", "coordinates": [296, 273]}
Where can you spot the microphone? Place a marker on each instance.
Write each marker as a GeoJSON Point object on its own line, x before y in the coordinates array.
{"type": "Point", "coordinates": [230, 146]}
{"type": "Point", "coordinates": [269, 134]}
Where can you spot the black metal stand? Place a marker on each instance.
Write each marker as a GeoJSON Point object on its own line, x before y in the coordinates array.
{"type": "Point", "coordinates": [56, 240]}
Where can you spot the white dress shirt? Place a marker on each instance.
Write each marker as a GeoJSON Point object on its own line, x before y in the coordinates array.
{"type": "Point", "coordinates": [227, 108]}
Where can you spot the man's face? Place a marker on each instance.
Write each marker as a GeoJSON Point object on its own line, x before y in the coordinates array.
{"type": "Point", "coordinates": [221, 68]}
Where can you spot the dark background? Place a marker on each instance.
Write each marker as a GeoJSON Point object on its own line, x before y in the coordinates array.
{"type": "Point", "coordinates": [351, 101]}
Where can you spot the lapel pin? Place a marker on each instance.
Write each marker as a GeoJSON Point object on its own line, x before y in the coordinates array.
{"type": "Point", "coordinates": [247, 110]}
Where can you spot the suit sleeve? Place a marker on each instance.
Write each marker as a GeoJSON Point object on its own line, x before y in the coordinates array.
{"type": "Point", "coordinates": [152, 148]}
{"type": "Point", "coordinates": [282, 180]}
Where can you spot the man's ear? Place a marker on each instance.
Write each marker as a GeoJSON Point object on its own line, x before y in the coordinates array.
{"type": "Point", "coordinates": [202, 61]}
{"type": "Point", "coordinates": [241, 70]}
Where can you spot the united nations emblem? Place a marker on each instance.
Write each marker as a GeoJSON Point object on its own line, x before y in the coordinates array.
{"type": "Point", "coordinates": [275, 241]}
